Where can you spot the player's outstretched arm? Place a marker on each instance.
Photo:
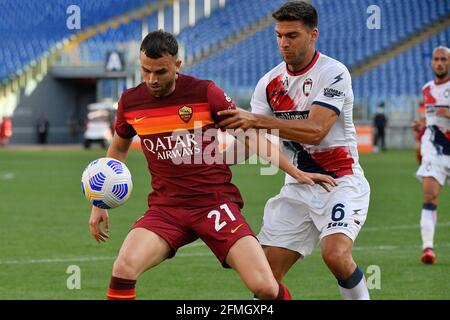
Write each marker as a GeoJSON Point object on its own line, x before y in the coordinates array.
{"type": "Point", "coordinates": [443, 112]}
{"type": "Point", "coordinates": [257, 142]}
{"type": "Point", "coordinates": [310, 131]}
{"type": "Point", "coordinates": [236, 152]}
{"type": "Point", "coordinates": [118, 149]}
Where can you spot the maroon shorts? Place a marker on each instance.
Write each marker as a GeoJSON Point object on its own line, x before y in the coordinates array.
{"type": "Point", "coordinates": [219, 226]}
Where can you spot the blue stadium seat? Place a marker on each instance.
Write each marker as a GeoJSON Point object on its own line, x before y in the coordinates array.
{"type": "Point", "coordinates": [405, 74]}
{"type": "Point", "coordinates": [29, 28]}
{"type": "Point", "coordinates": [224, 23]}
{"type": "Point", "coordinates": [343, 34]}
{"type": "Point", "coordinates": [343, 28]}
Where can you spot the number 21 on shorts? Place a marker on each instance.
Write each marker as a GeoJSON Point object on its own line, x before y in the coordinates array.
{"type": "Point", "coordinates": [217, 224]}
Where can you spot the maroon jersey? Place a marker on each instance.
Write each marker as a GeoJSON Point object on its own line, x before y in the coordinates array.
{"type": "Point", "coordinates": [172, 131]}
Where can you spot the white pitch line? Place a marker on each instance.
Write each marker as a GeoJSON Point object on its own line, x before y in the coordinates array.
{"type": "Point", "coordinates": [56, 260]}
{"type": "Point", "coordinates": [197, 254]}
{"type": "Point", "coordinates": [390, 248]}
{"type": "Point", "coordinates": [84, 259]}
{"type": "Point", "coordinates": [7, 175]}
{"type": "Point", "coordinates": [88, 259]}
{"type": "Point", "coordinates": [403, 227]}
{"type": "Point", "coordinates": [202, 244]}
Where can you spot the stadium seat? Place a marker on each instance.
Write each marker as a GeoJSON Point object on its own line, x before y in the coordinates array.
{"type": "Point", "coordinates": [29, 28]}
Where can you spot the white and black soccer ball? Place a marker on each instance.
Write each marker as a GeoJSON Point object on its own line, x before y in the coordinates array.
{"type": "Point", "coordinates": [106, 183]}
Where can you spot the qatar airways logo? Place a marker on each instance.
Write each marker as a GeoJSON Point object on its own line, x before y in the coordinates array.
{"type": "Point", "coordinates": [215, 147]}
{"type": "Point", "coordinates": [175, 146]}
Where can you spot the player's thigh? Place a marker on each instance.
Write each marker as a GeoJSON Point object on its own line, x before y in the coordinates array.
{"type": "Point", "coordinates": [247, 258]}
{"type": "Point", "coordinates": [287, 223]}
{"type": "Point", "coordinates": [280, 260]}
{"type": "Point", "coordinates": [220, 226]}
{"type": "Point", "coordinates": [153, 238]}
{"type": "Point", "coordinates": [431, 186]}
{"type": "Point", "coordinates": [141, 250]}
{"type": "Point", "coordinates": [170, 223]}
{"type": "Point", "coordinates": [337, 245]}
{"type": "Point", "coordinates": [344, 209]}
{"type": "Point", "coordinates": [433, 168]}
{"type": "Point", "coordinates": [433, 164]}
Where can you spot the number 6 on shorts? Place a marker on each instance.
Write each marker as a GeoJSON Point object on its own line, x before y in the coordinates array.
{"type": "Point", "coordinates": [338, 213]}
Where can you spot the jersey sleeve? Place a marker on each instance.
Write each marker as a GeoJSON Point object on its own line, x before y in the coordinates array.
{"type": "Point", "coordinates": [122, 127]}
{"type": "Point", "coordinates": [218, 101]}
{"type": "Point", "coordinates": [259, 102]}
{"type": "Point", "coordinates": [333, 87]}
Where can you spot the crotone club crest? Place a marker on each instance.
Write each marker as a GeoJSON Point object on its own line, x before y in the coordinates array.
{"type": "Point", "coordinates": [307, 86]}
{"type": "Point", "coordinates": [185, 113]}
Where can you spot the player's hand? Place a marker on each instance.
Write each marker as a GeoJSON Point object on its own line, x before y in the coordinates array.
{"type": "Point", "coordinates": [98, 216]}
{"type": "Point", "coordinates": [311, 179]}
{"type": "Point", "coordinates": [443, 112]}
{"type": "Point", "coordinates": [417, 125]}
{"type": "Point", "coordinates": [236, 119]}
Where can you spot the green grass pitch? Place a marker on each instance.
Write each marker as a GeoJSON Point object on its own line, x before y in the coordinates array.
{"type": "Point", "coordinates": [44, 230]}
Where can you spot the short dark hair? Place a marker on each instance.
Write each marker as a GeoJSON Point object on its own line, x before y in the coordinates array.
{"type": "Point", "coordinates": [298, 11]}
{"type": "Point", "coordinates": [158, 43]}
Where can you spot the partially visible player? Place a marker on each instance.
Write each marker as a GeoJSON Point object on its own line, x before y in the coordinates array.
{"type": "Point", "coordinates": [418, 127]}
{"type": "Point", "coordinates": [434, 170]}
{"type": "Point", "coordinates": [191, 199]}
{"type": "Point", "coordinates": [308, 97]}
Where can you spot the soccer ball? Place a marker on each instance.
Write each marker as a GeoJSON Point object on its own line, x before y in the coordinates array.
{"type": "Point", "coordinates": [106, 183]}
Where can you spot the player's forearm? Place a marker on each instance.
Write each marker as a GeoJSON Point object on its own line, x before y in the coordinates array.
{"type": "Point", "coordinates": [118, 149]}
{"type": "Point", "coordinates": [268, 151]}
{"type": "Point", "coordinates": [303, 131]}
{"type": "Point", "coordinates": [117, 154]}
{"type": "Point", "coordinates": [447, 114]}
{"type": "Point", "coordinates": [236, 153]}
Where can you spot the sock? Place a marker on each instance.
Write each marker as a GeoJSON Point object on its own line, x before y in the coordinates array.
{"type": "Point", "coordinates": [354, 287]}
{"type": "Point", "coordinates": [428, 224]}
{"type": "Point", "coordinates": [283, 292]}
{"type": "Point", "coordinates": [121, 289]}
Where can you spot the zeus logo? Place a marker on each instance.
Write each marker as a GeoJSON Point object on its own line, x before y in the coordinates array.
{"type": "Point", "coordinates": [338, 78]}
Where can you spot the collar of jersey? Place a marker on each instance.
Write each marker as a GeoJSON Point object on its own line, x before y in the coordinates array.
{"type": "Point", "coordinates": [441, 82]}
{"type": "Point", "coordinates": [305, 69]}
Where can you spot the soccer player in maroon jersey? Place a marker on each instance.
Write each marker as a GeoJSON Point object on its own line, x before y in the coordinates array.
{"type": "Point", "coordinates": [190, 199]}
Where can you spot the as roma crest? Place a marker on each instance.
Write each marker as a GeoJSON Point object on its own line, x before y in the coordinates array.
{"type": "Point", "coordinates": [185, 113]}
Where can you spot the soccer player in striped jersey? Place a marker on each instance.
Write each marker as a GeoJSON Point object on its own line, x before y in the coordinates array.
{"type": "Point", "coordinates": [308, 97]}
{"type": "Point", "coordinates": [434, 171]}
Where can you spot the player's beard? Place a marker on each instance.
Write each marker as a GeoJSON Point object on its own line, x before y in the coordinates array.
{"type": "Point", "coordinates": [293, 61]}
{"type": "Point", "coordinates": [296, 60]}
{"type": "Point", "coordinates": [162, 89]}
{"type": "Point", "coordinates": [441, 75]}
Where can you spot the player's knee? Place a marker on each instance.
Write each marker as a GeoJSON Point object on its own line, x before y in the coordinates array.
{"type": "Point", "coordinates": [264, 289]}
{"type": "Point", "coordinates": [336, 258]}
{"type": "Point", "coordinates": [125, 268]}
{"type": "Point", "coordinates": [278, 273]}
{"type": "Point", "coordinates": [430, 197]}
